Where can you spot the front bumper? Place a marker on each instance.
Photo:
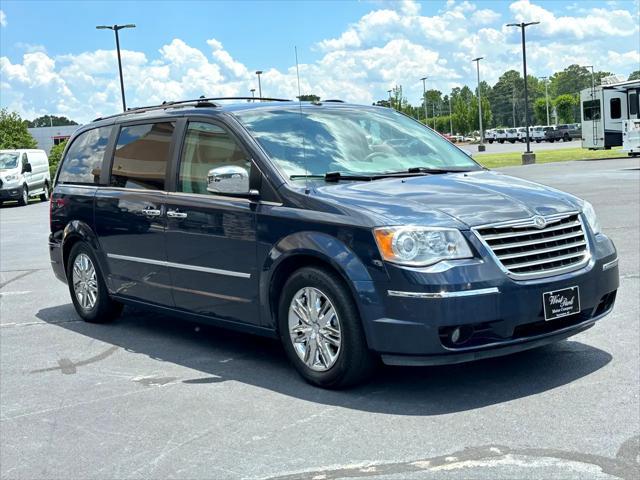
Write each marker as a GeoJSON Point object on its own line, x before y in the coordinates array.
{"type": "Point", "coordinates": [10, 193]}
{"type": "Point", "coordinates": [505, 315]}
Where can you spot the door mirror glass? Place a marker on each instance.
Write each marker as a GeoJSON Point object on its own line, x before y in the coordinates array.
{"type": "Point", "coordinates": [26, 168]}
{"type": "Point", "coordinates": [230, 179]}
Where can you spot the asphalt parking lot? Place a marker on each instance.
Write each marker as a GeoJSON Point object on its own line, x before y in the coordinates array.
{"type": "Point", "coordinates": [156, 397]}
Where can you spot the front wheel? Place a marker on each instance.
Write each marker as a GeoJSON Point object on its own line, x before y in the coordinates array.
{"type": "Point", "coordinates": [88, 291]}
{"type": "Point", "coordinates": [44, 196]}
{"type": "Point", "coordinates": [24, 196]}
{"type": "Point", "coordinates": [321, 331]}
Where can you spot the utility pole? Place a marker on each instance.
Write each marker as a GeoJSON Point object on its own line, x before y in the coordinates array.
{"type": "Point", "coordinates": [116, 29]}
{"type": "Point", "coordinates": [546, 95]}
{"type": "Point", "coordinates": [481, 147]}
{"type": "Point", "coordinates": [528, 156]}
{"type": "Point", "coordinates": [424, 97]}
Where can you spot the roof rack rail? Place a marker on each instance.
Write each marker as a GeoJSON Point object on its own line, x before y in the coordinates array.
{"type": "Point", "coordinates": [198, 102]}
{"type": "Point", "coordinates": [332, 100]}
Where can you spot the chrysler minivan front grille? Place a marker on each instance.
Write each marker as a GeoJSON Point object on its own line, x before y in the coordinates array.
{"type": "Point", "coordinates": [539, 246]}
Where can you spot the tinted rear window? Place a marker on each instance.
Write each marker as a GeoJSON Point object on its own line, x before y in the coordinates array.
{"type": "Point", "coordinates": [141, 156]}
{"type": "Point", "coordinates": [83, 161]}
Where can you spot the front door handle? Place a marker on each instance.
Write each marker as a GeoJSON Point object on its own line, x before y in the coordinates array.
{"type": "Point", "coordinates": [176, 214]}
{"type": "Point", "coordinates": [151, 212]}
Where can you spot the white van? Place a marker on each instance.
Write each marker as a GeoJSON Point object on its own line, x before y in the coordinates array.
{"type": "Point", "coordinates": [24, 174]}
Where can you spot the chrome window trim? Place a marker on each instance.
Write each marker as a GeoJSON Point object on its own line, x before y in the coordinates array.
{"type": "Point", "coordinates": [529, 222]}
{"type": "Point", "coordinates": [613, 263]}
{"type": "Point", "coordinates": [182, 266]}
{"type": "Point", "coordinates": [456, 294]}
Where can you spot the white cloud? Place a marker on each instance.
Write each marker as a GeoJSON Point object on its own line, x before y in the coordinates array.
{"type": "Point", "coordinates": [596, 22]}
{"type": "Point", "coordinates": [395, 44]}
{"type": "Point", "coordinates": [3, 19]}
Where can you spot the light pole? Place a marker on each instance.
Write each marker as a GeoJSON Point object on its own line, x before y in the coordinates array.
{"type": "Point", "coordinates": [424, 98]}
{"type": "Point", "coordinates": [546, 95]}
{"type": "Point", "coordinates": [116, 29]}
{"type": "Point", "coordinates": [253, 94]}
{"type": "Point", "coordinates": [390, 104]}
{"type": "Point", "coordinates": [528, 156]}
{"type": "Point", "coordinates": [481, 147]}
{"type": "Point", "coordinates": [259, 72]}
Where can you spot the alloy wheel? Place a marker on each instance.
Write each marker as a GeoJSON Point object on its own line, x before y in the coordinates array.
{"type": "Point", "coordinates": [314, 329]}
{"type": "Point", "coordinates": [85, 281]}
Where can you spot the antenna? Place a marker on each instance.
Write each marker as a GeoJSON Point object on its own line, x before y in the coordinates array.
{"type": "Point", "coordinates": [304, 152]}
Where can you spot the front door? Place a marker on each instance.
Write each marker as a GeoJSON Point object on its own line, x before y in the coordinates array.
{"type": "Point", "coordinates": [129, 214]}
{"type": "Point", "coordinates": [211, 237]}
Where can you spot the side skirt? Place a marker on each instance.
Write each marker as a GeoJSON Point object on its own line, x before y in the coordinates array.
{"type": "Point", "coordinates": [204, 319]}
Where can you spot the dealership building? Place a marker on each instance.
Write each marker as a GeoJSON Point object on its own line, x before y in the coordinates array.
{"type": "Point", "coordinates": [47, 137]}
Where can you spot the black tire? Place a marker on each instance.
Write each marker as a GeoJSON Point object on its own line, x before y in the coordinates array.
{"type": "Point", "coordinates": [105, 309]}
{"type": "Point", "coordinates": [44, 196]}
{"type": "Point", "coordinates": [24, 196]}
{"type": "Point", "coordinates": [355, 362]}
{"type": "Point", "coordinates": [501, 141]}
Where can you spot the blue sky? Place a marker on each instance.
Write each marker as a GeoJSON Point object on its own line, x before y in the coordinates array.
{"type": "Point", "coordinates": [52, 60]}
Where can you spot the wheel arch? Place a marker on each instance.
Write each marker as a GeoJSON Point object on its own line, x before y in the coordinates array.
{"type": "Point", "coordinates": [78, 231]}
{"type": "Point", "coordinates": [315, 249]}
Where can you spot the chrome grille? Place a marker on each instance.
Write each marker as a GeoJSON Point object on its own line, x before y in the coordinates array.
{"type": "Point", "coordinates": [526, 251]}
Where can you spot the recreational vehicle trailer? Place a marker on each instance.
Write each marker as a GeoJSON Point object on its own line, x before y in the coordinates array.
{"type": "Point", "coordinates": [604, 109]}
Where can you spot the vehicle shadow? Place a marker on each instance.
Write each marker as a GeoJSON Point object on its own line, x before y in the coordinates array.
{"type": "Point", "coordinates": [222, 355]}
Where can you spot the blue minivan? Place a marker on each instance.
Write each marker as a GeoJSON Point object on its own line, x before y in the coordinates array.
{"type": "Point", "coordinates": [352, 233]}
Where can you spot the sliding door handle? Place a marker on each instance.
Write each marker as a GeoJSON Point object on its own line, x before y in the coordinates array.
{"type": "Point", "coordinates": [176, 214]}
{"type": "Point", "coordinates": [151, 212]}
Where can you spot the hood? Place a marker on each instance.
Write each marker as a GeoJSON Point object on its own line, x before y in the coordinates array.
{"type": "Point", "coordinates": [457, 200]}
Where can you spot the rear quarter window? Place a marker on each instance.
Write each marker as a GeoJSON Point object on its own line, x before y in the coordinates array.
{"type": "Point", "coordinates": [83, 161]}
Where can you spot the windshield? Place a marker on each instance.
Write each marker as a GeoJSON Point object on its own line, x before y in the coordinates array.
{"type": "Point", "coordinates": [350, 141]}
{"type": "Point", "coordinates": [8, 160]}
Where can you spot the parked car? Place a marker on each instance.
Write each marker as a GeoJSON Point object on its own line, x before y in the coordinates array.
{"type": "Point", "coordinates": [537, 133]}
{"type": "Point", "coordinates": [387, 243]}
{"type": "Point", "coordinates": [489, 135]}
{"type": "Point", "coordinates": [552, 134]}
{"type": "Point", "coordinates": [568, 132]}
{"type": "Point", "coordinates": [522, 133]}
{"type": "Point", "coordinates": [500, 135]}
{"type": "Point", "coordinates": [512, 135]}
{"type": "Point", "coordinates": [24, 174]}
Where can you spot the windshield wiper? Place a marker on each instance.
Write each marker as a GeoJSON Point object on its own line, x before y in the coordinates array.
{"type": "Point", "coordinates": [435, 170]}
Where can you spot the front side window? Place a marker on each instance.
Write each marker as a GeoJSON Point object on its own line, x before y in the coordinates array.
{"type": "Point", "coordinates": [350, 141]}
{"type": "Point", "coordinates": [212, 162]}
{"type": "Point", "coordinates": [591, 110]}
{"type": "Point", "coordinates": [616, 108]}
{"type": "Point", "coordinates": [83, 161]}
{"type": "Point", "coordinates": [141, 156]}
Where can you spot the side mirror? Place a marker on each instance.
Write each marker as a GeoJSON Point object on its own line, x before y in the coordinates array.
{"type": "Point", "coordinates": [26, 168]}
{"type": "Point", "coordinates": [230, 179]}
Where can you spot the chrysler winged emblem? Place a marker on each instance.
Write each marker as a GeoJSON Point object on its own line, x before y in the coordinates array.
{"type": "Point", "coordinates": [539, 222]}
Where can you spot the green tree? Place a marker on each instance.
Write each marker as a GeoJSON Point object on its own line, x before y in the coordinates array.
{"type": "Point", "coordinates": [50, 121]}
{"type": "Point", "coordinates": [634, 75]}
{"type": "Point", "coordinates": [565, 106]}
{"type": "Point", "coordinates": [506, 98]}
{"type": "Point", "coordinates": [13, 132]}
{"type": "Point", "coordinates": [540, 111]}
{"type": "Point", "coordinates": [55, 156]}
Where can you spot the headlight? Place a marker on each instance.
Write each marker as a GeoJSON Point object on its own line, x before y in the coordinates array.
{"type": "Point", "coordinates": [11, 178]}
{"type": "Point", "coordinates": [421, 246]}
{"type": "Point", "coordinates": [590, 215]}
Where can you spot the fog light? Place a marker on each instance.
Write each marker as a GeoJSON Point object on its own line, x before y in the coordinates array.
{"type": "Point", "coordinates": [455, 335]}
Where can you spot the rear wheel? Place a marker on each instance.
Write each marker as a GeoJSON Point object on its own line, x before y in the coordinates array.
{"type": "Point", "coordinates": [44, 196]}
{"type": "Point", "coordinates": [321, 331]}
{"type": "Point", "coordinates": [24, 196]}
{"type": "Point", "coordinates": [88, 291]}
